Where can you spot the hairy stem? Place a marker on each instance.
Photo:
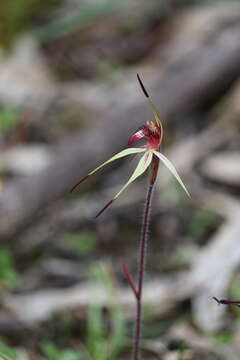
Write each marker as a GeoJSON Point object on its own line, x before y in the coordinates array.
{"type": "Point", "coordinates": [141, 264]}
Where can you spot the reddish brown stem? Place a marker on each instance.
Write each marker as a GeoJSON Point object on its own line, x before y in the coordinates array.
{"type": "Point", "coordinates": [154, 169]}
{"type": "Point", "coordinates": [141, 266]}
{"type": "Point", "coordinates": [129, 279]}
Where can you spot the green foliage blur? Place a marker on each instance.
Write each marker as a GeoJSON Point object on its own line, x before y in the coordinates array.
{"type": "Point", "coordinates": [52, 352]}
{"type": "Point", "coordinates": [84, 242]}
{"type": "Point", "coordinates": [8, 118]}
{"type": "Point", "coordinates": [101, 343]}
{"type": "Point", "coordinates": [181, 351]}
{"type": "Point", "coordinates": [7, 353]}
{"type": "Point", "coordinates": [201, 220]}
{"type": "Point", "coordinates": [17, 15]}
{"type": "Point", "coordinates": [8, 274]}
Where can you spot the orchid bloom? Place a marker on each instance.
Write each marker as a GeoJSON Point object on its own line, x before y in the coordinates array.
{"type": "Point", "coordinates": [153, 133]}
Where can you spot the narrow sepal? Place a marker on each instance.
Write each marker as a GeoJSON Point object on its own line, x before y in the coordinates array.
{"type": "Point", "coordinates": [172, 169]}
{"type": "Point", "coordinates": [142, 166]}
{"type": "Point", "coordinates": [142, 86]}
{"type": "Point", "coordinates": [153, 106]}
{"type": "Point", "coordinates": [119, 155]}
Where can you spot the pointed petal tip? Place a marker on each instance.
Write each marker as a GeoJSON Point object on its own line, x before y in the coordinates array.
{"type": "Point", "coordinates": [142, 86]}
{"type": "Point", "coordinates": [172, 169]}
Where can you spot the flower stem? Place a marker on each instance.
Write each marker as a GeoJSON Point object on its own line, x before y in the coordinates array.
{"type": "Point", "coordinates": [141, 264]}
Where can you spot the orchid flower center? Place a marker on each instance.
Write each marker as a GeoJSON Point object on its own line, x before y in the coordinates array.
{"type": "Point", "coordinates": [154, 135]}
{"type": "Point", "coordinates": [151, 132]}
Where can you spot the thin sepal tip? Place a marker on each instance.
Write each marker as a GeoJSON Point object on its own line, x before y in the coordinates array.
{"type": "Point", "coordinates": [142, 86]}
{"type": "Point", "coordinates": [104, 208]}
{"type": "Point", "coordinates": [78, 183]}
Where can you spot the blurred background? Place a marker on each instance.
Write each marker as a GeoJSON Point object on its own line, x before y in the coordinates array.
{"type": "Point", "coordinates": [69, 99]}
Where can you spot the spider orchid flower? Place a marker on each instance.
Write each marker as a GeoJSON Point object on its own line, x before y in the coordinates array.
{"type": "Point", "coordinates": [152, 131]}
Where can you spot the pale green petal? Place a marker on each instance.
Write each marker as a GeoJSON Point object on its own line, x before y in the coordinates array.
{"type": "Point", "coordinates": [119, 155]}
{"type": "Point", "coordinates": [142, 166]}
{"type": "Point", "coordinates": [171, 167]}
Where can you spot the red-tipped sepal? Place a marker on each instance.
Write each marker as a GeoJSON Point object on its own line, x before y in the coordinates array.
{"type": "Point", "coordinates": [78, 183]}
{"type": "Point", "coordinates": [142, 166]}
{"type": "Point", "coordinates": [119, 155]}
{"type": "Point", "coordinates": [104, 208]}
